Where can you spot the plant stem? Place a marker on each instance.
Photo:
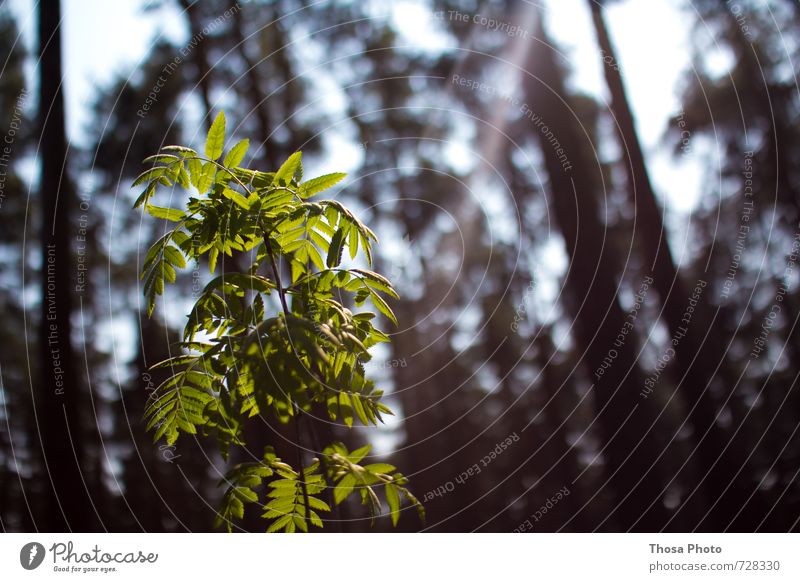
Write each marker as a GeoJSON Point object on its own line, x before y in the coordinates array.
{"type": "Point", "coordinates": [326, 471]}
{"type": "Point", "coordinates": [300, 462]}
{"type": "Point", "coordinates": [299, 447]}
{"type": "Point", "coordinates": [277, 274]}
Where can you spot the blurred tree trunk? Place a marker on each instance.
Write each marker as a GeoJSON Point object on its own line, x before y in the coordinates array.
{"type": "Point", "coordinates": [67, 504]}
{"type": "Point", "coordinates": [701, 353]}
{"type": "Point", "coordinates": [771, 103]}
{"type": "Point", "coordinates": [626, 421]}
{"type": "Point", "coordinates": [557, 382]}
{"type": "Point", "coordinates": [147, 493]}
{"type": "Point", "coordinates": [258, 99]}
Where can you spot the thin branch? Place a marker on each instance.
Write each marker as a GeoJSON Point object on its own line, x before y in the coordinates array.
{"type": "Point", "coordinates": [299, 449]}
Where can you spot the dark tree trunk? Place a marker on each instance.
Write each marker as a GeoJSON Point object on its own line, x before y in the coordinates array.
{"type": "Point", "coordinates": [702, 351]}
{"type": "Point", "coordinates": [67, 504]}
{"type": "Point", "coordinates": [625, 419]}
{"type": "Point", "coordinates": [258, 98]}
{"type": "Point", "coordinates": [558, 385]}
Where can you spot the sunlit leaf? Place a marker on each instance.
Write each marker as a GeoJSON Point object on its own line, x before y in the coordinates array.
{"type": "Point", "coordinates": [289, 167]}
{"type": "Point", "coordinates": [215, 141]}
{"type": "Point", "coordinates": [237, 153]}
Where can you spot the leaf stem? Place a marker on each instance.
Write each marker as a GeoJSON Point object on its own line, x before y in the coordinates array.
{"type": "Point", "coordinates": [326, 472]}
{"type": "Point", "coordinates": [300, 463]}
{"type": "Point", "coordinates": [299, 447]}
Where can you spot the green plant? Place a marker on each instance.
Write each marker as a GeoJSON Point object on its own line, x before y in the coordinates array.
{"type": "Point", "coordinates": [267, 340]}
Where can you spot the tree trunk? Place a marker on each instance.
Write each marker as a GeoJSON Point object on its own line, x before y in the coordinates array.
{"type": "Point", "coordinates": [67, 504]}
{"type": "Point", "coordinates": [258, 99]}
{"type": "Point", "coordinates": [702, 351]}
{"type": "Point", "coordinates": [625, 419]}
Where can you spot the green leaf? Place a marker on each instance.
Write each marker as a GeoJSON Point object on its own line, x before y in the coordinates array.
{"type": "Point", "coordinates": [317, 185]}
{"type": "Point", "coordinates": [346, 409]}
{"type": "Point", "coordinates": [161, 159]}
{"type": "Point", "coordinates": [215, 141]}
{"type": "Point", "coordinates": [300, 523]}
{"type": "Point", "coordinates": [237, 198]}
{"type": "Point", "coordinates": [146, 195]}
{"type": "Point", "coordinates": [393, 499]}
{"type": "Point", "coordinates": [382, 306]}
{"type": "Point", "coordinates": [358, 407]}
{"type": "Point", "coordinates": [335, 249]}
{"type": "Point", "coordinates": [367, 247]}
{"type": "Point", "coordinates": [206, 177]}
{"type": "Point", "coordinates": [357, 455]}
{"type": "Point", "coordinates": [195, 170]}
{"type": "Point", "coordinates": [212, 259]}
{"type": "Point", "coordinates": [332, 215]}
{"type": "Point", "coordinates": [148, 175]}
{"type": "Point", "coordinates": [174, 256]}
{"type": "Point", "coordinates": [352, 242]}
{"type": "Point", "coordinates": [279, 524]}
{"type": "Point", "coordinates": [179, 406]}
{"type": "Point", "coordinates": [318, 504]}
{"type": "Point", "coordinates": [354, 285]}
{"type": "Point", "coordinates": [288, 169]}
{"type": "Point", "coordinates": [315, 257]}
{"type": "Point", "coordinates": [245, 494]}
{"type": "Point", "coordinates": [237, 153]}
{"type": "Point", "coordinates": [183, 151]}
{"type": "Point", "coordinates": [377, 281]}
{"type": "Point", "coordinates": [343, 488]}
{"type": "Point", "coordinates": [384, 468]}
{"type": "Point", "coordinates": [319, 240]}
{"type": "Point", "coordinates": [174, 361]}
{"type": "Point", "coordinates": [183, 177]}
{"type": "Point", "coordinates": [314, 518]}
{"type": "Point", "coordinates": [172, 214]}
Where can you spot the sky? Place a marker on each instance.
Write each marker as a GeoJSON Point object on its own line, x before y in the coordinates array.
{"type": "Point", "coordinates": [652, 42]}
{"type": "Point", "coordinates": [103, 39]}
